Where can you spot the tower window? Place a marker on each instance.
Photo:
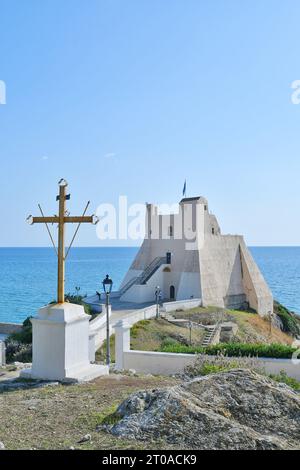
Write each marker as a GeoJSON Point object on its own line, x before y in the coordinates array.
{"type": "Point", "coordinates": [170, 231]}
{"type": "Point", "coordinates": [205, 208]}
{"type": "Point", "coordinates": [213, 231]}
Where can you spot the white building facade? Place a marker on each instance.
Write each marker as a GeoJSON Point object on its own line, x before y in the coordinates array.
{"type": "Point", "coordinates": [185, 254]}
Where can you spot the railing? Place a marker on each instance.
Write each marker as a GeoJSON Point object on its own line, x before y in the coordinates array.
{"type": "Point", "coordinates": [151, 268]}
{"type": "Point", "coordinates": [146, 274]}
{"type": "Point", "coordinates": [128, 285]}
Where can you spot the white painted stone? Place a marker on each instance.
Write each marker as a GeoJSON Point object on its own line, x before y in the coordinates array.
{"type": "Point", "coordinates": [61, 345]}
{"type": "Point", "coordinates": [92, 346]}
{"type": "Point", "coordinates": [122, 342]}
{"type": "Point", "coordinates": [161, 363]}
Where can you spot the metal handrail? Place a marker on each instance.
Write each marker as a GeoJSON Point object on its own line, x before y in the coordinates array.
{"type": "Point", "coordinates": [144, 276]}
{"type": "Point", "coordinates": [155, 264]}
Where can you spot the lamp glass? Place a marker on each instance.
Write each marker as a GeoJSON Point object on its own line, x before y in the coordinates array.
{"type": "Point", "coordinates": [107, 284]}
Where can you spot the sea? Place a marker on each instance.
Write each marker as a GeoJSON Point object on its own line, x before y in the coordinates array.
{"type": "Point", "coordinates": [28, 275]}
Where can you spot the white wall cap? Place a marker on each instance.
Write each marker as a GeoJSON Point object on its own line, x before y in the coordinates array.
{"type": "Point", "coordinates": [62, 313]}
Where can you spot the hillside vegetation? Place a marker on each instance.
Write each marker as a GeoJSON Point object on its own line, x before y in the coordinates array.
{"type": "Point", "coordinates": [161, 335]}
{"type": "Point", "coordinates": [153, 335]}
{"type": "Point", "coordinates": [251, 327]}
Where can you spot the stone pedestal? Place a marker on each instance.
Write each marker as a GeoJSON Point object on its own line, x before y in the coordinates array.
{"type": "Point", "coordinates": [61, 345]}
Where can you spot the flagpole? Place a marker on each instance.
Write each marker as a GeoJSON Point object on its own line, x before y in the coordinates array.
{"type": "Point", "coordinates": [184, 189]}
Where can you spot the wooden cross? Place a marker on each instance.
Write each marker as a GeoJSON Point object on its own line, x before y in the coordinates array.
{"type": "Point", "coordinates": [62, 219]}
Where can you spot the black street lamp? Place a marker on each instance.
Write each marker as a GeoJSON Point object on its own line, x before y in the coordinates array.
{"type": "Point", "coordinates": [157, 296]}
{"type": "Point", "coordinates": [107, 287]}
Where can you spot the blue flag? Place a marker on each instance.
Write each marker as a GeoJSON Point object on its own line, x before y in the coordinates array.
{"type": "Point", "coordinates": [184, 189]}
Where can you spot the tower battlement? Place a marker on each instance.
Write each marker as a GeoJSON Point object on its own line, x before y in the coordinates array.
{"type": "Point", "coordinates": [189, 220]}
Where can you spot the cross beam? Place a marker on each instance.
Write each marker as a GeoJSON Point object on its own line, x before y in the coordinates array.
{"type": "Point", "coordinates": [61, 220]}
{"type": "Point", "coordinates": [67, 220]}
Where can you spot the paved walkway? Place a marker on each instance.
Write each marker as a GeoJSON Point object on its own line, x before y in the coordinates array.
{"type": "Point", "coordinates": [122, 309]}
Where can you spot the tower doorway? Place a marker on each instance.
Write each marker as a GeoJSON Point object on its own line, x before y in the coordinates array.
{"type": "Point", "coordinates": [172, 293]}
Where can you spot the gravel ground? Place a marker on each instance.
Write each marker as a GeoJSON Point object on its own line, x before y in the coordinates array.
{"type": "Point", "coordinates": [58, 417]}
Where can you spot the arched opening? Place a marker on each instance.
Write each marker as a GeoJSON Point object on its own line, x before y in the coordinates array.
{"type": "Point", "coordinates": [172, 292]}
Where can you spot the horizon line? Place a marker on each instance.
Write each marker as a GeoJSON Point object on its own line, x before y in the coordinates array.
{"type": "Point", "coordinates": [138, 246]}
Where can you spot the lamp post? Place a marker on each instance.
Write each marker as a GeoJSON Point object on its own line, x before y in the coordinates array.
{"type": "Point", "coordinates": [107, 286]}
{"type": "Point", "coordinates": [157, 296]}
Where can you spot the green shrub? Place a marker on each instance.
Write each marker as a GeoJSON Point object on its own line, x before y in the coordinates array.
{"type": "Point", "coordinates": [284, 378]}
{"type": "Point", "coordinates": [134, 331]}
{"type": "Point", "coordinates": [101, 353]}
{"type": "Point", "coordinates": [252, 350]}
{"type": "Point", "coordinates": [236, 350]}
{"type": "Point", "coordinates": [289, 322]}
{"type": "Point", "coordinates": [205, 365]}
{"type": "Point", "coordinates": [137, 327]}
{"type": "Point", "coordinates": [78, 300]}
{"type": "Point", "coordinates": [207, 369]}
{"type": "Point", "coordinates": [25, 335]}
{"type": "Point", "coordinates": [169, 342]}
{"type": "Point", "coordinates": [18, 352]}
{"type": "Point", "coordinates": [18, 345]}
{"type": "Point", "coordinates": [143, 322]}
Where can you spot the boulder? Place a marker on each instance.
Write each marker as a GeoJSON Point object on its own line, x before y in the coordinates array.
{"type": "Point", "coordinates": [239, 409]}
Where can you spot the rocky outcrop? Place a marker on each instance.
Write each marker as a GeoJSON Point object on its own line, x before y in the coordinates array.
{"type": "Point", "coordinates": [239, 409]}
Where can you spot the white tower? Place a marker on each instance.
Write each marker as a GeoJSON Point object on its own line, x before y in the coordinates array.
{"type": "Point", "coordinates": [188, 257]}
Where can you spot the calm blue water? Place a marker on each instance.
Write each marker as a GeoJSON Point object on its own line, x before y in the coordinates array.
{"type": "Point", "coordinates": [28, 275]}
{"type": "Point", "coordinates": [281, 269]}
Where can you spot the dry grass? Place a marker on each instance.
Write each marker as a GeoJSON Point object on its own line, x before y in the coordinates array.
{"type": "Point", "coordinates": [252, 327]}
{"type": "Point", "coordinates": [58, 417]}
{"type": "Point", "coordinates": [151, 335]}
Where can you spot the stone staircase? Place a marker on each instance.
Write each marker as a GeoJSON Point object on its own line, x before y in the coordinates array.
{"type": "Point", "coordinates": [185, 322]}
{"type": "Point", "coordinates": [211, 330]}
{"type": "Point", "coordinates": [210, 335]}
{"type": "Point", "coordinates": [166, 316]}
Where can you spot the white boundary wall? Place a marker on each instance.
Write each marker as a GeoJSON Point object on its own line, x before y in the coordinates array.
{"type": "Point", "coordinates": [160, 363]}
{"type": "Point", "coordinates": [98, 326]}
{"type": "Point", "coordinates": [182, 304]}
{"type": "Point", "coordinates": [171, 363]}
{"type": "Point", "coordinates": [156, 363]}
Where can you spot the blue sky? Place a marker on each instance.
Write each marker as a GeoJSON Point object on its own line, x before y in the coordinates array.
{"type": "Point", "coordinates": [174, 89]}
